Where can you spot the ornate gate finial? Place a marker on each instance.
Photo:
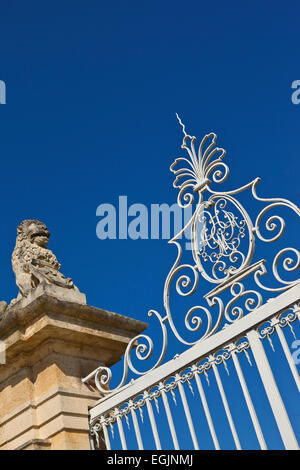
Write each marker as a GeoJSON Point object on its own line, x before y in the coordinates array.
{"type": "Point", "coordinates": [222, 256]}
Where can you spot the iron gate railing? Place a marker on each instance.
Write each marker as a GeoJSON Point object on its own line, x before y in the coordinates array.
{"type": "Point", "coordinates": [239, 314]}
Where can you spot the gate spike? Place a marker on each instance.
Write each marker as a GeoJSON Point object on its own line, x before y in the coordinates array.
{"type": "Point", "coordinates": [225, 365]}
{"type": "Point", "coordinates": [248, 357]}
{"type": "Point", "coordinates": [127, 421]}
{"type": "Point", "coordinates": [173, 396]}
{"type": "Point", "coordinates": [206, 376]}
{"type": "Point", "coordinates": [270, 341]}
{"type": "Point", "coordinates": [291, 328]}
{"type": "Point", "coordinates": [141, 414]}
{"type": "Point", "coordinates": [190, 387]}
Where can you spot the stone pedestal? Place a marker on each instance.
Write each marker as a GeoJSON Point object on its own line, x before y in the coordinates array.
{"type": "Point", "coordinates": [51, 344]}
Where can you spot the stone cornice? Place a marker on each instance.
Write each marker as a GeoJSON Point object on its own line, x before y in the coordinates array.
{"type": "Point", "coordinates": [19, 317]}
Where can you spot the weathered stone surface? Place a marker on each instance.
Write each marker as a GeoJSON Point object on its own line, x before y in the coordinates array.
{"type": "Point", "coordinates": [35, 444]}
{"type": "Point", "coordinates": [3, 306]}
{"type": "Point", "coordinates": [60, 293]}
{"type": "Point", "coordinates": [51, 345]}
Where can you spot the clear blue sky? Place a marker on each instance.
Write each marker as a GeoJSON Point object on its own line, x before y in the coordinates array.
{"type": "Point", "coordinates": [92, 91]}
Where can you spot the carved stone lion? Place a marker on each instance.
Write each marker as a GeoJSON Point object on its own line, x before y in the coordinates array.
{"type": "Point", "coordinates": [33, 263]}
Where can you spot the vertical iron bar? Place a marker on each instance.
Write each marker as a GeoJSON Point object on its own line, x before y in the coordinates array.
{"type": "Point", "coordinates": [152, 421]}
{"type": "Point", "coordinates": [92, 444]}
{"type": "Point", "coordinates": [137, 429]}
{"type": "Point", "coordinates": [106, 436]}
{"type": "Point", "coordinates": [249, 402]}
{"type": "Point", "coordinates": [170, 418]}
{"type": "Point", "coordinates": [226, 407]}
{"type": "Point", "coordinates": [274, 397]}
{"type": "Point", "coordinates": [206, 411]}
{"type": "Point", "coordinates": [121, 431]}
{"type": "Point", "coordinates": [187, 413]}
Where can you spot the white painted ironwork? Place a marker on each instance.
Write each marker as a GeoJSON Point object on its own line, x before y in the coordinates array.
{"type": "Point", "coordinates": [277, 405]}
{"type": "Point", "coordinates": [136, 425]}
{"type": "Point", "coordinates": [169, 415]}
{"type": "Point", "coordinates": [196, 371]}
{"type": "Point", "coordinates": [190, 364]}
{"type": "Point", "coordinates": [212, 359]}
{"type": "Point", "coordinates": [234, 349]}
{"type": "Point", "coordinates": [239, 311]}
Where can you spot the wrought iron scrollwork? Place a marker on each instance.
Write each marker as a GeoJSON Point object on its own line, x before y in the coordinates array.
{"type": "Point", "coordinates": [223, 238]}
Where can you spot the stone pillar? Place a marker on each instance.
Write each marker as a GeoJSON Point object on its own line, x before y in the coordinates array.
{"type": "Point", "coordinates": [51, 343]}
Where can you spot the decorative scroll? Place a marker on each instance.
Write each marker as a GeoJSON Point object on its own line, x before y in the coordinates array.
{"type": "Point", "coordinates": [223, 238]}
{"type": "Point", "coordinates": [283, 320]}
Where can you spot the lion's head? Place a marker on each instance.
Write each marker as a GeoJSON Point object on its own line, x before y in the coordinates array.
{"type": "Point", "coordinates": [34, 232]}
{"type": "Point", "coordinates": [31, 243]}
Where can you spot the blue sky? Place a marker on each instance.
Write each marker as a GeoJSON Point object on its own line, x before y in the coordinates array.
{"type": "Point", "coordinates": [92, 92]}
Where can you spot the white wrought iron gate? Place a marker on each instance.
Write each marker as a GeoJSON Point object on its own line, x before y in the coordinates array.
{"type": "Point", "coordinates": [226, 386]}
